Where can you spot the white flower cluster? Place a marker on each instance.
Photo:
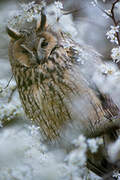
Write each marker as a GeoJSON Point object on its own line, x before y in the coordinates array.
{"type": "Point", "coordinates": [27, 7]}
{"type": "Point", "coordinates": [107, 13]}
{"type": "Point", "coordinates": [32, 11]}
{"type": "Point", "coordinates": [108, 69]}
{"type": "Point", "coordinates": [78, 156]}
{"type": "Point", "coordinates": [93, 144]}
{"type": "Point", "coordinates": [8, 110]}
{"type": "Point", "coordinates": [116, 175]}
{"type": "Point", "coordinates": [34, 130]}
{"type": "Point", "coordinates": [81, 55]}
{"type": "Point", "coordinates": [37, 161]}
{"type": "Point", "coordinates": [32, 160]}
{"type": "Point", "coordinates": [27, 13]}
{"type": "Point", "coordinates": [114, 150]}
{"type": "Point", "coordinates": [59, 7]}
{"type": "Point", "coordinates": [76, 160]}
{"type": "Point", "coordinates": [112, 34]}
{"type": "Point", "coordinates": [94, 3]}
{"type": "Point", "coordinates": [115, 54]}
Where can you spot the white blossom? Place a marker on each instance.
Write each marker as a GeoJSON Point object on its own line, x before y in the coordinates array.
{"type": "Point", "coordinates": [27, 13]}
{"type": "Point", "coordinates": [108, 12]}
{"type": "Point", "coordinates": [34, 130]}
{"type": "Point", "coordinates": [93, 146]}
{"type": "Point", "coordinates": [58, 5]}
{"type": "Point", "coordinates": [26, 7]}
{"type": "Point", "coordinates": [94, 3]}
{"type": "Point", "coordinates": [114, 150]}
{"type": "Point", "coordinates": [116, 174]}
{"type": "Point", "coordinates": [80, 142]}
{"type": "Point", "coordinates": [112, 34]}
{"type": "Point", "coordinates": [8, 110]}
{"type": "Point", "coordinates": [77, 157]}
{"type": "Point", "coordinates": [108, 69]}
{"type": "Point", "coordinates": [115, 29]}
{"type": "Point", "coordinates": [115, 54]}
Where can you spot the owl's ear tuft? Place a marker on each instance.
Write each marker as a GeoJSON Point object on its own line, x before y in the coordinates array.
{"type": "Point", "coordinates": [42, 23]}
{"type": "Point", "coordinates": [13, 33]}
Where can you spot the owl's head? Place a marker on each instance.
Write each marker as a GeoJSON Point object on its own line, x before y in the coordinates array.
{"type": "Point", "coordinates": [34, 44]}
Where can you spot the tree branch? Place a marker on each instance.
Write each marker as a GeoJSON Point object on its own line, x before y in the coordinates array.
{"type": "Point", "coordinates": [114, 20]}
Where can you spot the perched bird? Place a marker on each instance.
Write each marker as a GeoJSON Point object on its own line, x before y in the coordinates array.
{"type": "Point", "coordinates": [56, 93]}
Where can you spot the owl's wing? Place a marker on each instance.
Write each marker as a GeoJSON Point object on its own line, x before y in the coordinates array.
{"type": "Point", "coordinates": [99, 162]}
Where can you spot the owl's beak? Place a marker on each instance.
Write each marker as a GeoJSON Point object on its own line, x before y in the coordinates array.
{"type": "Point", "coordinates": [40, 57]}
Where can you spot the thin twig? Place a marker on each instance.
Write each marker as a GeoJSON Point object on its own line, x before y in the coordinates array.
{"type": "Point", "coordinates": [7, 84]}
{"type": "Point", "coordinates": [112, 16]}
{"type": "Point", "coordinates": [114, 20]}
{"type": "Point", "coordinates": [11, 94]}
{"type": "Point", "coordinates": [72, 11]}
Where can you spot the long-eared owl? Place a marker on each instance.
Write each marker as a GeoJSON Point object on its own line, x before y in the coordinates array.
{"type": "Point", "coordinates": [53, 88]}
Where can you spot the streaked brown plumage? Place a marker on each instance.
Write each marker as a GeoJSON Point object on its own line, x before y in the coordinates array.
{"type": "Point", "coordinates": [53, 90]}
